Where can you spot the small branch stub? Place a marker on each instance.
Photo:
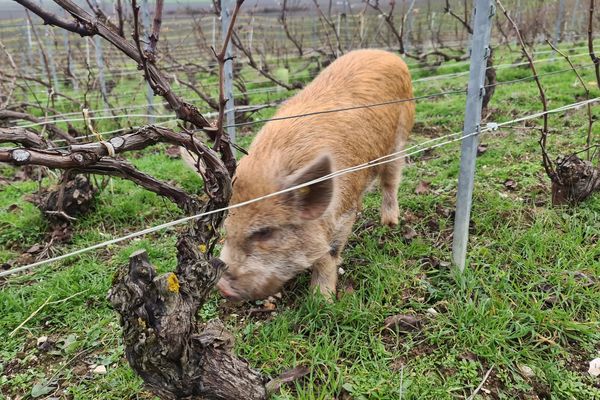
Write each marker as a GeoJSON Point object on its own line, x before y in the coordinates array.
{"type": "Point", "coordinates": [21, 155]}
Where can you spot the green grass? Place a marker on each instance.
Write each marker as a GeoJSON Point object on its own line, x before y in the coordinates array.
{"type": "Point", "coordinates": [529, 295]}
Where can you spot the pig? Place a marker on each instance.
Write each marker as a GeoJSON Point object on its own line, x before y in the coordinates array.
{"type": "Point", "coordinates": [269, 242]}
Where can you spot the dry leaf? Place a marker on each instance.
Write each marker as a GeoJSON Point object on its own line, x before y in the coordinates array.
{"type": "Point", "coordinates": [409, 233]}
{"type": "Point", "coordinates": [409, 217]}
{"type": "Point", "coordinates": [510, 184]}
{"type": "Point", "coordinates": [173, 152]}
{"type": "Point", "coordinates": [286, 377]}
{"type": "Point", "coordinates": [403, 323]}
{"type": "Point", "coordinates": [422, 187]}
{"type": "Point", "coordinates": [14, 208]}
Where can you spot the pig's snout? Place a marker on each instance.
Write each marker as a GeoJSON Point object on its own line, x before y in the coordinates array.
{"type": "Point", "coordinates": [227, 291]}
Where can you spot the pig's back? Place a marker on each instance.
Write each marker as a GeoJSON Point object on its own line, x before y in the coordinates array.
{"type": "Point", "coordinates": [352, 137]}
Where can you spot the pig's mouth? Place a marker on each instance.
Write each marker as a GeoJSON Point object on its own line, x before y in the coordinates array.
{"type": "Point", "coordinates": [227, 290]}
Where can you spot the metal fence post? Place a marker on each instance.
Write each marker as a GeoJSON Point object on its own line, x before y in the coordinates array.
{"type": "Point", "coordinates": [574, 21]}
{"type": "Point", "coordinates": [484, 11]}
{"type": "Point", "coordinates": [251, 33]}
{"type": "Point", "coordinates": [226, 9]}
{"type": "Point", "coordinates": [149, 91]}
{"type": "Point", "coordinates": [214, 32]}
{"type": "Point", "coordinates": [50, 53]}
{"type": "Point", "coordinates": [339, 32]}
{"type": "Point", "coordinates": [408, 22]}
{"type": "Point", "coordinates": [87, 51]}
{"type": "Point", "coordinates": [559, 22]}
{"type": "Point", "coordinates": [100, 63]}
{"type": "Point", "coordinates": [29, 46]}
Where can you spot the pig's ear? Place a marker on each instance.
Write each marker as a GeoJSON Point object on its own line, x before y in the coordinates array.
{"type": "Point", "coordinates": [313, 200]}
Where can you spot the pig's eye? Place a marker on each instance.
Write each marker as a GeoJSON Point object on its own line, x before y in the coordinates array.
{"type": "Point", "coordinates": [265, 233]}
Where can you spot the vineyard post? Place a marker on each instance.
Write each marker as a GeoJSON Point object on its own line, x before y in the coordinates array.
{"type": "Point", "coordinates": [100, 63]}
{"type": "Point", "coordinates": [339, 27]}
{"type": "Point", "coordinates": [50, 51]}
{"type": "Point", "coordinates": [409, 25]}
{"type": "Point", "coordinates": [69, 66]}
{"type": "Point", "coordinates": [226, 9]}
{"type": "Point", "coordinates": [574, 21]}
{"type": "Point", "coordinates": [214, 32]}
{"type": "Point", "coordinates": [87, 51]}
{"type": "Point", "coordinates": [149, 90]}
{"type": "Point", "coordinates": [251, 33]}
{"type": "Point", "coordinates": [559, 22]}
{"type": "Point", "coordinates": [484, 11]}
{"type": "Point", "coordinates": [347, 11]}
{"type": "Point", "coordinates": [29, 46]}
{"type": "Point", "coordinates": [315, 36]}
{"type": "Point", "coordinates": [362, 28]}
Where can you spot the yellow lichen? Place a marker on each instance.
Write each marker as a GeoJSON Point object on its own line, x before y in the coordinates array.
{"type": "Point", "coordinates": [173, 283]}
{"type": "Point", "coordinates": [141, 322]}
{"type": "Point", "coordinates": [202, 248]}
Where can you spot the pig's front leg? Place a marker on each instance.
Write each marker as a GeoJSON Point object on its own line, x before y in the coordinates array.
{"type": "Point", "coordinates": [324, 276]}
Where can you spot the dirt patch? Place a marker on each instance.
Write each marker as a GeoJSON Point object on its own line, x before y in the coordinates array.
{"type": "Point", "coordinates": [427, 130]}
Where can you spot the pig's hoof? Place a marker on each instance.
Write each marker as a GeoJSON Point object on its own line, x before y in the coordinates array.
{"type": "Point", "coordinates": [389, 220]}
{"type": "Point", "coordinates": [328, 294]}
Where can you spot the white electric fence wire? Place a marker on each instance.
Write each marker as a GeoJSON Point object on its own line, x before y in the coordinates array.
{"type": "Point", "coordinates": [381, 160]}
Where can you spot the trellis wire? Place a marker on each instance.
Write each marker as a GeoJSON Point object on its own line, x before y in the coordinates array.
{"type": "Point", "coordinates": [172, 117]}
{"type": "Point", "coordinates": [415, 66]}
{"type": "Point", "coordinates": [275, 88]}
{"type": "Point", "coordinates": [248, 123]}
{"type": "Point", "coordinates": [381, 160]}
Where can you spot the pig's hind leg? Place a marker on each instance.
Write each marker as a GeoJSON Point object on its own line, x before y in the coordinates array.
{"type": "Point", "coordinates": [390, 177]}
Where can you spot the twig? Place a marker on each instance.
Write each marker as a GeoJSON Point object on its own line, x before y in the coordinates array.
{"type": "Point", "coordinates": [46, 303]}
{"type": "Point", "coordinates": [136, 40]}
{"type": "Point", "coordinates": [463, 21]}
{"type": "Point", "coordinates": [595, 58]}
{"type": "Point", "coordinates": [548, 166]}
{"type": "Point", "coordinates": [587, 96]}
{"type": "Point", "coordinates": [263, 71]}
{"type": "Point", "coordinates": [8, 114]}
{"type": "Point", "coordinates": [119, 10]}
{"type": "Point", "coordinates": [485, 377]}
{"type": "Point", "coordinates": [389, 19]}
{"type": "Point", "coordinates": [33, 314]}
{"type": "Point", "coordinates": [90, 25]}
{"type": "Point", "coordinates": [44, 57]}
{"type": "Point", "coordinates": [150, 49]}
{"type": "Point", "coordinates": [286, 29]}
{"type": "Point", "coordinates": [331, 24]}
